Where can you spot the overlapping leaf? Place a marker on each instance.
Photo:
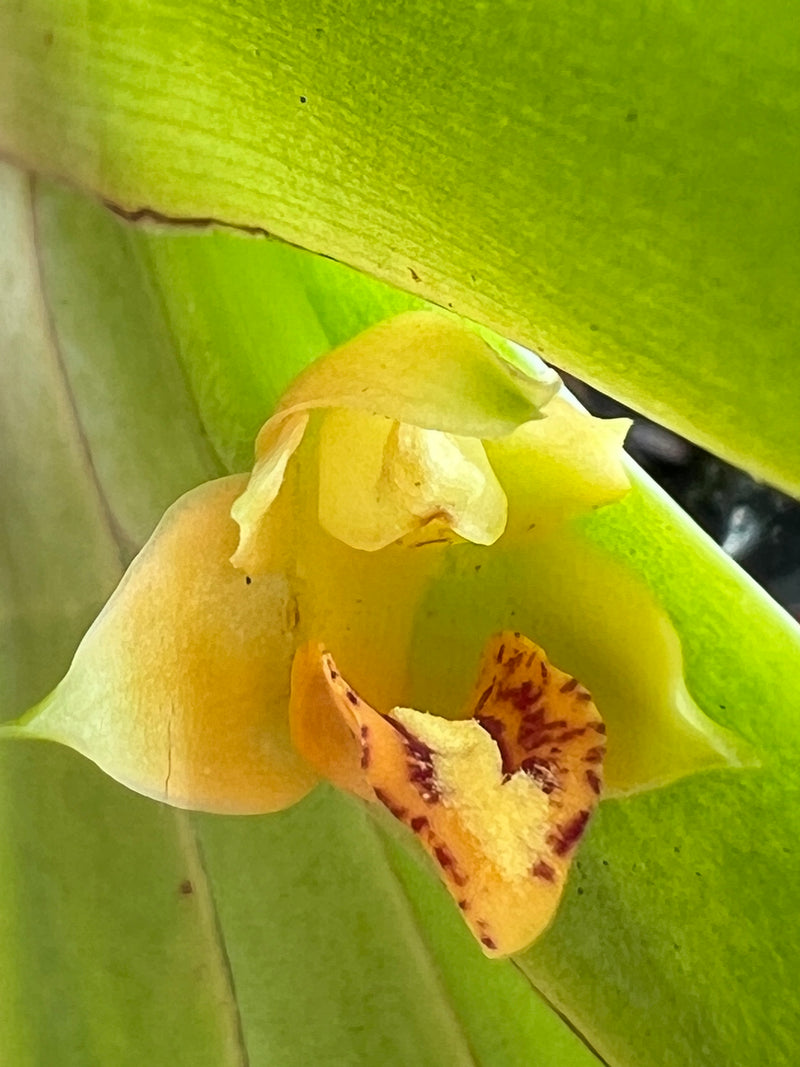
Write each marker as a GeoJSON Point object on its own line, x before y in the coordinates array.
{"type": "Point", "coordinates": [615, 186]}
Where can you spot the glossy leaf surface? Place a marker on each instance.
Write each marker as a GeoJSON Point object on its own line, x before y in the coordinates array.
{"type": "Point", "coordinates": [614, 186]}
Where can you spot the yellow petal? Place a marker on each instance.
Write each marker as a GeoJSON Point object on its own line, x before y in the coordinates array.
{"type": "Point", "coordinates": [566, 464]}
{"type": "Point", "coordinates": [420, 368]}
{"type": "Point", "coordinates": [250, 509]}
{"type": "Point", "coordinates": [498, 801]}
{"type": "Point", "coordinates": [180, 688]}
{"type": "Point", "coordinates": [318, 716]}
{"type": "Point", "coordinates": [426, 369]}
{"type": "Point", "coordinates": [380, 480]}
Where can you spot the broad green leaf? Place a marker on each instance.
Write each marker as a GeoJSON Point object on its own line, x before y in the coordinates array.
{"type": "Point", "coordinates": [130, 932]}
{"type": "Point", "coordinates": [95, 931]}
{"type": "Point", "coordinates": [611, 185]}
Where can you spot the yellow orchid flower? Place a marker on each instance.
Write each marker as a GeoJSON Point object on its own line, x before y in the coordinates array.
{"type": "Point", "coordinates": [414, 497]}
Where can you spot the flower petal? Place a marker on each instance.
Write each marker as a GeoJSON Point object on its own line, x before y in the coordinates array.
{"type": "Point", "coordinates": [319, 721]}
{"type": "Point", "coordinates": [566, 464]}
{"type": "Point", "coordinates": [426, 369]}
{"type": "Point", "coordinates": [179, 690]}
{"type": "Point", "coordinates": [250, 509]}
{"type": "Point", "coordinates": [498, 810]}
{"type": "Point", "coordinates": [380, 480]}
{"type": "Point", "coordinates": [420, 368]}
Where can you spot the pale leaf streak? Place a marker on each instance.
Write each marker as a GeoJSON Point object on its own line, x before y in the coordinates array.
{"type": "Point", "coordinates": [405, 905]}
{"type": "Point", "coordinates": [126, 549]}
{"type": "Point", "coordinates": [557, 1011]}
{"type": "Point", "coordinates": [211, 928]}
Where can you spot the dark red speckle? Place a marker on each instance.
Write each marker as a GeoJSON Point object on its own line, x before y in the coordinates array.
{"type": "Point", "coordinates": [569, 734]}
{"type": "Point", "coordinates": [500, 652]}
{"type": "Point", "coordinates": [514, 662]}
{"type": "Point", "coordinates": [420, 767]}
{"type": "Point", "coordinates": [186, 888]}
{"type": "Point", "coordinates": [396, 810]}
{"type": "Point", "coordinates": [569, 835]}
{"type": "Point", "coordinates": [497, 731]}
{"type": "Point", "coordinates": [352, 697]}
{"type": "Point", "coordinates": [595, 755]}
{"type": "Point", "coordinates": [365, 753]}
{"type": "Point", "coordinates": [419, 823]}
{"type": "Point", "coordinates": [594, 781]}
{"type": "Point", "coordinates": [541, 771]}
{"type": "Point", "coordinates": [447, 862]}
{"type": "Point", "coordinates": [483, 698]}
{"type": "Point", "coordinates": [523, 697]}
{"type": "Point", "coordinates": [567, 687]}
{"type": "Point", "coordinates": [488, 942]}
{"type": "Point", "coordinates": [544, 871]}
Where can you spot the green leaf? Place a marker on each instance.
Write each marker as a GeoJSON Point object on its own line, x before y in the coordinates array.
{"type": "Point", "coordinates": [613, 186]}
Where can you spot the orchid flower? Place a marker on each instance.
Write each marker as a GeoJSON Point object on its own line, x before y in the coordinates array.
{"type": "Point", "coordinates": [283, 629]}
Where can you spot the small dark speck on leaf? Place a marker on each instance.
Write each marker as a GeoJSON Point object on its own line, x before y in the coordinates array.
{"type": "Point", "coordinates": [186, 888]}
{"type": "Point", "coordinates": [303, 99]}
{"type": "Point", "coordinates": [580, 890]}
{"type": "Point", "coordinates": [319, 31]}
{"type": "Point", "coordinates": [477, 566]}
{"type": "Point", "coordinates": [414, 275]}
{"type": "Point", "coordinates": [677, 848]}
{"type": "Point", "coordinates": [605, 863]}
{"type": "Point", "coordinates": [48, 38]}
{"type": "Point", "coordinates": [593, 326]}
{"type": "Point", "coordinates": [248, 579]}
{"type": "Point", "coordinates": [632, 116]}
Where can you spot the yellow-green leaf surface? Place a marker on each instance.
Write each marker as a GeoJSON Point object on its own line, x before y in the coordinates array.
{"type": "Point", "coordinates": [136, 365]}
{"type": "Point", "coordinates": [130, 933]}
{"type": "Point", "coordinates": [614, 185]}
